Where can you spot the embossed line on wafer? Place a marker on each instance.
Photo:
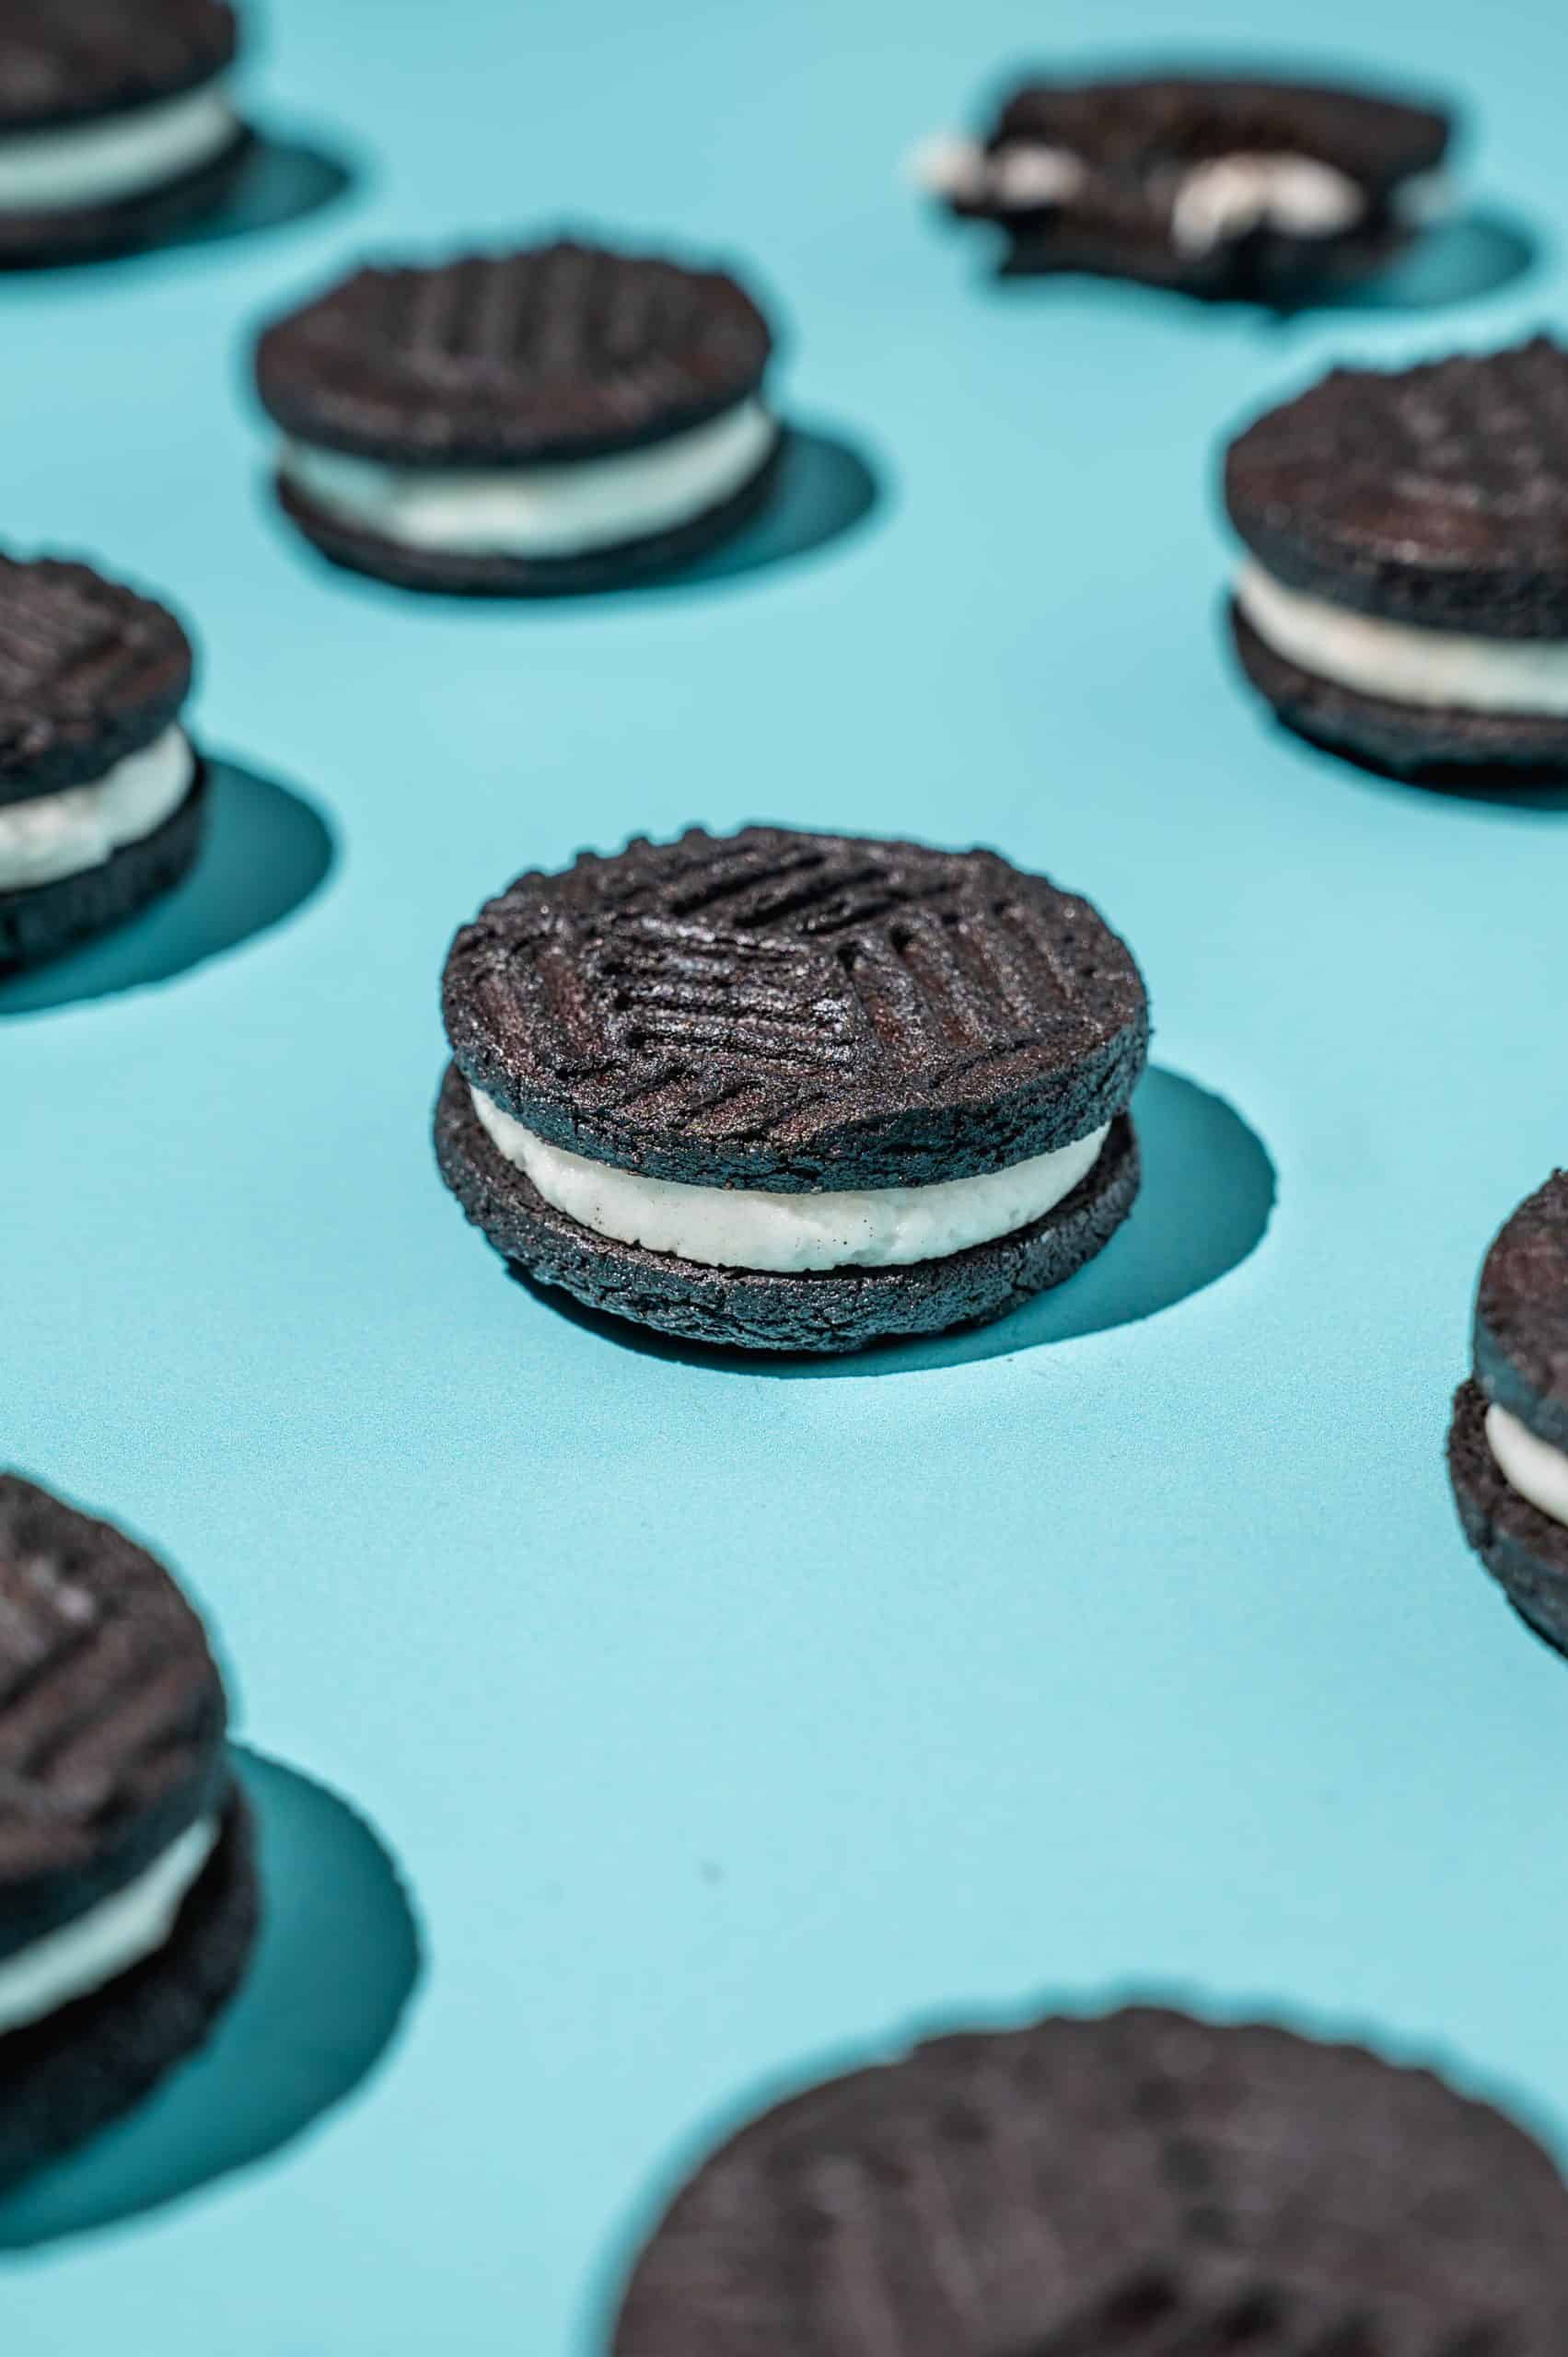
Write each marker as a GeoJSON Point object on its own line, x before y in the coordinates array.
{"type": "Point", "coordinates": [57, 634]}
{"type": "Point", "coordinates": [568, 313]}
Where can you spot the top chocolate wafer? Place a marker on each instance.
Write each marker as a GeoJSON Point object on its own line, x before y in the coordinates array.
{"type": "Point", "coordinates": [786, 1010]}
{"type": "Point", "coordinates": [560, 351]}
{"type": "Point", "coordinates": [70, 60]}
{"type": "Point", "coordinates": [1134, 128]}
{"type": "Point", "coordinates": [1142, 2186]}
{"type": "Point", "coordinates": [1521, 1314]}
{"type": "Point", "coordinates": [112, 1713]}
{"type": "Point", "coordinates": [90, 672]}
{"type": "Point", "coordinates": [1437, 494]}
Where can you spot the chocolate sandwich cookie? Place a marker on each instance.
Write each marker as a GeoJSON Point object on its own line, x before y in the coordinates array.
{"type": "Point", "coordinates": [524, 424]}
{"type": "Point", "coordinates": [1405, 593]}
{"type": "Point", "coordinates": [117, 123]}
{"type": "Point", "coordinates": [128, 1901]}
{"type": "Point", "coordinates": [1264, 191]}
{"type": "Point", "coordinates": [1508, 1442]}
{"type": "Point", "coordinates": [103, 796]}
{"type": "Point", "coordinates": [1144, 2184]}
{"type": "Point", "coordinates": [792, 1091]}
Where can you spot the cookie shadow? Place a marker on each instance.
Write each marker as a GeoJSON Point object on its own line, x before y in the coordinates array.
{"type": "Point", "coordinates": [1478, 252]}
{"type": "Point", "coordinates": [1513, 786]}
{"type": "Point", "coordinates": [828, 487]}
{"type": "Point", "coordinates": [336, 1963]}
{"type": "Point", "coordinates": [1206, 1199]}
{"type": "Point", "coordinates": [266, 851]}
{"type": "Point", "coordinates": [283, 180]}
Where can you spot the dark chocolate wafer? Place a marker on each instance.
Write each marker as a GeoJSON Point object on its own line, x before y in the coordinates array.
{"type": "Point", "coordinates": [1521, 1316]}
{"type": "Point", "coordinates": [1435, 495]}
{"type": "Point", "coordinates": [793, 1011]}
{"type": "Point", "coordinates": [90, 672]}
{"type": "Point", "coordinates": [112, 1713]}
{"type": "Point", "coordinates": [1141, 2186]}
{"type": "Point", "coordinates": [1525, 1550]}
{"type": "Point", "coordinates": [66, 62]}
{"type": "Point", "coordinates": [558, 352]}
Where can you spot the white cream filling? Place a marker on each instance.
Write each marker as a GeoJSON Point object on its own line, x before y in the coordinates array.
{"type": "Point", "coordinates": [751, 1227]}
{"type": "Point", "coordinates": [559, 509]}
{"type": "Point", "coordinates": [98, 163]}
{"type": "Point", "coordinates": [1218, 202]}
{"type": "Point", "coordinates": [1023, 174]}
{"type": "Point", "coordinates": [1210, 203]}
{"type": "Point", "coordinates": [1401, 661]}
{"type": "Point", "coordinates": [1528, 1464]}
{"type": "Point", "coordinates": [64, 833]}
{"type": "Point", "coordinates": [120, 1931]}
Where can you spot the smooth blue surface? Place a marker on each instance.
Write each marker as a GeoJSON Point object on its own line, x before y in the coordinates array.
{"type": "Point", "coordinates": [719, 1722]}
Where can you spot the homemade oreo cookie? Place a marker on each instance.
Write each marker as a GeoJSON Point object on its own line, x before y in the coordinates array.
{"type": "Point", "coordinates": [1405, 597]}
{"type": "Point", "coordinates": [117, 126]}
{"type": "Point", "coordinates": [1508, 1442]}
{"type": "Point", "coordinates": [1141, 2186]}
{"type": "Point", "coordinates": [102, 795]}
{"type": "Point", "coordinates": [563, 418]}
{"type": "Point", "coordinates": [128, 1899]}
{"type": "Point", "coordinates": [1222, 187]}
{"type": "Point", "coordinates": [792, 1091]}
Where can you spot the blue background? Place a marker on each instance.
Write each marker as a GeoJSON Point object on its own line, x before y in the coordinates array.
{"type": "Point", "coordinates": [721, 1722]}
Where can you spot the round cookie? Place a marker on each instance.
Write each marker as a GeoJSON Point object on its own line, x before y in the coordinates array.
{"type": "Point", "coordinates": [90, 672]}
{"type": "Point", "coordinates": [1219, 186]}
{"type": "Point", "coordinates": [796, 1011]}
{"type": "Point", "coordinates": [1131, 2187]}
{"type": "Point", "coordinates": [115, 126]}
{"type": "Point", "coordinates": [790, 1090]}
{"type": "Point", "coordinates": [102, 796]}
{"type": "Point", "coordinates": [127, 1893]}
{"type": "Point", "coordinates": [1509, 1441]}
{"type": "Point", "coordinates": [1406, 597]}
{"type": "Point", "coordinates": [561, 418]}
